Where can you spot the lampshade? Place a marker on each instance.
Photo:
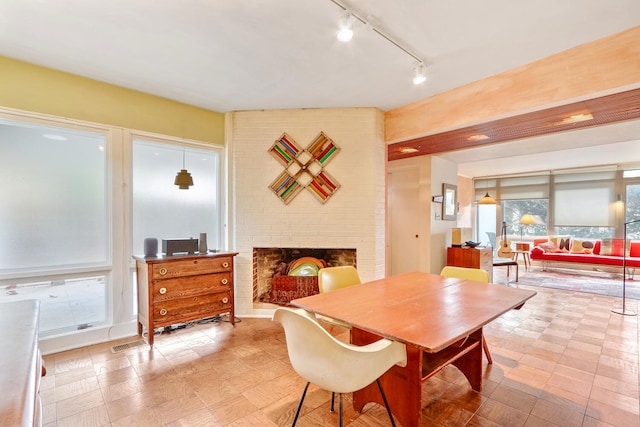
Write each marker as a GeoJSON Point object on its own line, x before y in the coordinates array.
{"type": "Point", "coordinates": [487, 200]}
{"type": "Point", "coordinates": [183, 180]}
{"type": "Point", "coordinates": [527, 219]}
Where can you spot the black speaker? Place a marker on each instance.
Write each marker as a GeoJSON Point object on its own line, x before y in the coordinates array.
{"type": "Point", "coordinates": [150, 246]}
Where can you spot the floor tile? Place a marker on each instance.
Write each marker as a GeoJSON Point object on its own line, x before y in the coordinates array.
{"type": "Point", "coordinates": [564, 360]}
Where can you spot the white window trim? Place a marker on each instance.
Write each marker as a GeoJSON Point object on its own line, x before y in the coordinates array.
{"type": "Point", "coordinates": [119, 321]}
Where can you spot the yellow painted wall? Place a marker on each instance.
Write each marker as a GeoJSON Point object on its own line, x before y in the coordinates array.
{"type": "Point", "coordinates": [607, 65]}
{"type": "Point", "coordinates": [33, 88]}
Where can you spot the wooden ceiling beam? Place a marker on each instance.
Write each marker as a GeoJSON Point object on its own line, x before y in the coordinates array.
{"type": "Point", "coordinates": [588, 113]}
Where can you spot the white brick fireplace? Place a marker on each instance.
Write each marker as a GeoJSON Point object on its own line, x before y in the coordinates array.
{"type": "Point", "coordinates": [354, 217]}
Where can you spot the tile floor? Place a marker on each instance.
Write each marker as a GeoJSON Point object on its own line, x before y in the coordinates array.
{"type": "Point", "coordinates": [565, 359]}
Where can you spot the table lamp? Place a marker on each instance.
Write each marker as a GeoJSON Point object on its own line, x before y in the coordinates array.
{"type": "Point", "coordinates": [527, 219]}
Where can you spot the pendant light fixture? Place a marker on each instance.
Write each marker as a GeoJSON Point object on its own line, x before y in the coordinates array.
{"type": "Point", "coordinates": [487, 200]}
{"type": "Point", "coordinates": [183, 178]}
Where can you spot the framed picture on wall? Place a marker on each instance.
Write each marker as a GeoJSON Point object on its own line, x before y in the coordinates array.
{"type": "Point", "coordinates": [450, 193]}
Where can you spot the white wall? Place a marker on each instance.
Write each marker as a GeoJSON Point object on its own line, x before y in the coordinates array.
{"type": "Point", "coordinates": [353, 218]}
{"type": "Point", "coordinates": [442, 171]}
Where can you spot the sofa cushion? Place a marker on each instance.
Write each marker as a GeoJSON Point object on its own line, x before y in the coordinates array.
{"type": "Point", "coordinates": [634, 249]}
{"type": "Point", "coordinates": [537, 242]}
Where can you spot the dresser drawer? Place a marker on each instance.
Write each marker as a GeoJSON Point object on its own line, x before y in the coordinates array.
{"type": "Point", "coordinates": [190, 267]}
{"type": "Point", "coordinates": [188, 286]}
{"type": "Point", "coordinates": [185, 309]}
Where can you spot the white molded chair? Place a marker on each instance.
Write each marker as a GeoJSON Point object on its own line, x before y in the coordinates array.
{"type": "Point", "coordinates": [332, 278]}
{"type": "Point", "coordinates": [477, 275]}
{"type": "Point", "coordinates": [331, 364]}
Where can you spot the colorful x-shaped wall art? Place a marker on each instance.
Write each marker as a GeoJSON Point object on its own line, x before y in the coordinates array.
{"type": "Point", "coordinates": [304, 168]}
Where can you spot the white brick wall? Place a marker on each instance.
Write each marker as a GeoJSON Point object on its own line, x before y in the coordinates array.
{"type": "Point", "coordinates": [354, 217]}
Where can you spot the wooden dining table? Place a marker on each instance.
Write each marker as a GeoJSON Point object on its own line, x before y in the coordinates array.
{"type": "Point", "coordinates": [439, 319]}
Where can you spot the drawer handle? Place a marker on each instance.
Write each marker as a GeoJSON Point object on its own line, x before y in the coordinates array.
{"type": "Point", "coordinates": [225, 264]}
{"type": "Point", "coordinates": [224, 281]}
{"type": "Point", "coordinates": [225, 300]}
{"type": "Point", "coordinates": [163, 312]}
{"type": "Point", "coordinates": [163, 291]}
{"type": "Point", "coordinates": [163, 271]}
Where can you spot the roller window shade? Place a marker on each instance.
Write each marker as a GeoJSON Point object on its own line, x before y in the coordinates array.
{"type": "Point", "coordinates": [584, 204]}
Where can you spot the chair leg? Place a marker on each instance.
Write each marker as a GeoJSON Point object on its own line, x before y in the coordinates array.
{"type": "Point", "coordinates": [340, 409]}
{"type": "Point", "coordinates": [386, 404]}
{"type": "Point", "coordinates": [304, 393]}
{"type": "Point", "coordinates": [486, 351]}
{"type": "Point", "coordinates": [333, 398]}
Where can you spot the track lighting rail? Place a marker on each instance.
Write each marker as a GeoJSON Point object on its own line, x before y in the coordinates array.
{"type": "Point", "coordinates": [377, 30]}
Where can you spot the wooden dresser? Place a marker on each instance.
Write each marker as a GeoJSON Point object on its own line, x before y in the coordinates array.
{"type": "Point", "coordinates": [181, 288]}
{"type": "Point", "coordinates": [20, 364]}
{"type": "Point", "coordinates": [471, 258]}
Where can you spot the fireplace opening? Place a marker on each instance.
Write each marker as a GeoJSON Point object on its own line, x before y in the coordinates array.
{"type": "Point", "coordinates": [284, 274]}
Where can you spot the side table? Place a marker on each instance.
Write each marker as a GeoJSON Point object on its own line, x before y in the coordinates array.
{"type": "Point", "coordinates": [523, 249]}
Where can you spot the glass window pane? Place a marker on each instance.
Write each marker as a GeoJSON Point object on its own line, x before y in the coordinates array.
{"type": "Point", "coordinates": [633, 173]}
{"type": "Point", "coordinates": [54, 212]}
{"type": "Point", "coordinates": [486, 225]}
{"type": "Point", "coordinates": [65, 304]}
{"type": "Point", "coordinates": [163, 211]}
{"type": "Point", "coordinates": [514, 210]}
{"type": "Point", "coordinates": [633, 211]}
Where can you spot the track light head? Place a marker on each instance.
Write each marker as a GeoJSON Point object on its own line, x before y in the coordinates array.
{"type": "Point", "coordinates": [346, 31]}
{"type": "Point", "coordinates": [419, 75]}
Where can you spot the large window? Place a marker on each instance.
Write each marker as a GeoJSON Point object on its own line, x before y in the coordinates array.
{"type": "Point", "coordinates": [55, 221]}
{"type": "Point", "coordinates": [587, 204]}
{"type": "Point", "coordinates": [77, 202]}
{"type": "Point", "coordinates": [160, 209]}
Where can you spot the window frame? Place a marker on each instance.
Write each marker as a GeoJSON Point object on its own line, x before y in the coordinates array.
{"type": "Point", "coordinates": [121, 312]}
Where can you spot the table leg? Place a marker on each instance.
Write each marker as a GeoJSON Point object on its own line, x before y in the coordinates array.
{"type": "Point", "coordinates": [470, 364]}
{"type": "Point", "coordinates": [402, 385]}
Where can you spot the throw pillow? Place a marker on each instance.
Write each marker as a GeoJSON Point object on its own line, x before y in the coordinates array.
{"type": "Point", "coordinates": [562, 242]}
{"type": "Point", "coordinates": [613, 247]}
{"type": "Point", "coordinates": [581, 246]}
{"type": "Point", "coordinates": [549, 246]}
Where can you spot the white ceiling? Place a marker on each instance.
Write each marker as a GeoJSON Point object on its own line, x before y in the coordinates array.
{"type": "Point", "coordinates": [257, 54]}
